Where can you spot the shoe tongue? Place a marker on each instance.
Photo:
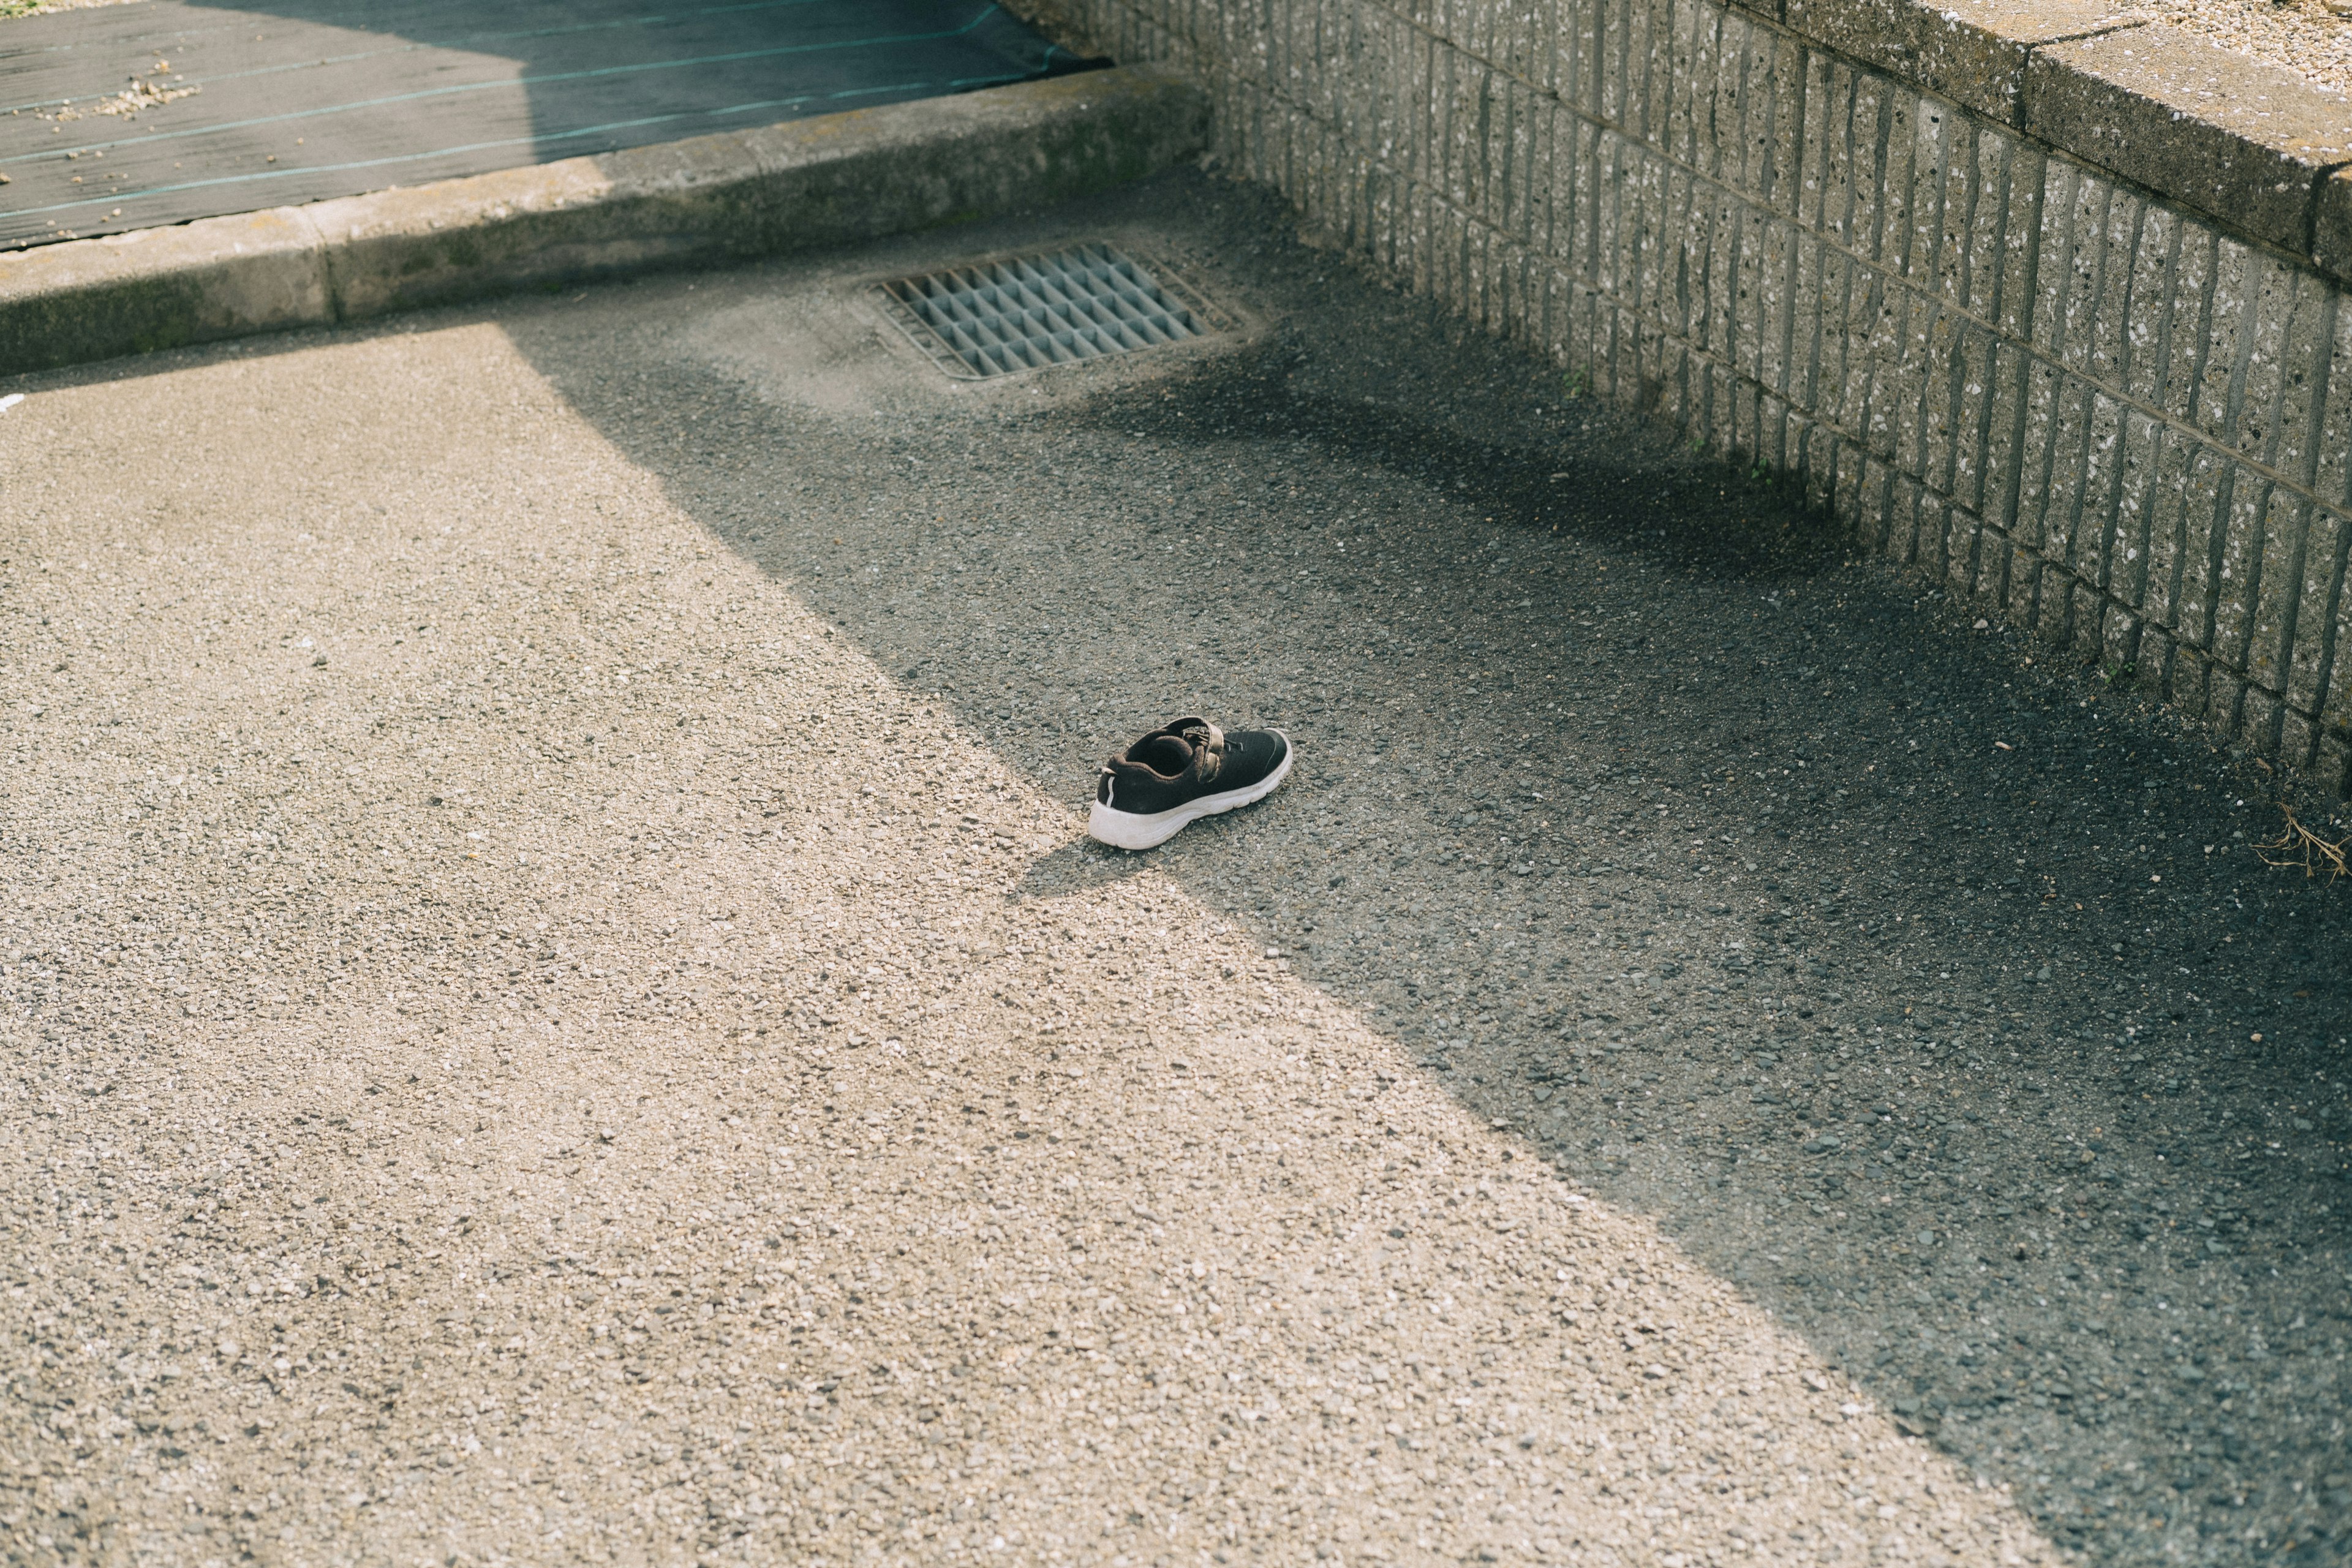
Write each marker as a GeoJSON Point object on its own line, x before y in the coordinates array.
{"type": "Point", "coordinates": [1165, 755]}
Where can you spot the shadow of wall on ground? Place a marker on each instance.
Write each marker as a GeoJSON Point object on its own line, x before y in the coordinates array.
{"type": "Point", "coordinates": [1935, 997]}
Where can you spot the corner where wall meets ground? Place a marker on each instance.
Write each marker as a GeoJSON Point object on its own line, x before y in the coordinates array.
{"type": "Point", "coordinates": [1964, 272]}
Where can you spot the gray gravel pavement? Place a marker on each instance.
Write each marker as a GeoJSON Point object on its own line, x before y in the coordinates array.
{"type": "Point", "coordinates": [556, 1008]}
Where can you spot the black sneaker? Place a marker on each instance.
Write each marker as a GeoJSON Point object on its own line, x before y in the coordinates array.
{"type": "Point", "coordinates": [1178, 774]}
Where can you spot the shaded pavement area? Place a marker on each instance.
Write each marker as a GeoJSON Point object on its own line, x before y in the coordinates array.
{"type": "Point", "coordinates": [124, 117]}
{"type": "Point", "coordinates": [556, 1002]}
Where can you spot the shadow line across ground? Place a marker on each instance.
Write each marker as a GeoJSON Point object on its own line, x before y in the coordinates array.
{"type": "Point", "coordinates": [1935, 997]}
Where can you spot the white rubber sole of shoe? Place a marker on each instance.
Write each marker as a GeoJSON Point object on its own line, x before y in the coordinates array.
{"type": "Point", "coordinates": [1141, 830]}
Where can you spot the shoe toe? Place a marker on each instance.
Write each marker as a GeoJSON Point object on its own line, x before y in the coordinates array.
{"type": "Point", "coordinates": [1252, 754]}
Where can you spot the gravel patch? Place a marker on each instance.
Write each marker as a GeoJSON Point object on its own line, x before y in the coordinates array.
{"type": "Point", "coordinates": [555, 1004]}
{"type": "Point", "coordinates": [2310, 38]}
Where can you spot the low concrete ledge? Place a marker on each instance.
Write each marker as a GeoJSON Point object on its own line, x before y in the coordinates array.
{"type": "Point", "coordinates": [1974, 52]}
{"type": "Point", "coordinates": [830, 180]}
{"type": "Point", "coordinates": [2246, 142]}
{"type": "Point", "coordinates": [2249, 145]}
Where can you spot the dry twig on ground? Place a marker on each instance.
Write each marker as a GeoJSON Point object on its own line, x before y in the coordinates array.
{"type": "Point", "coordinates": [2299, 846]}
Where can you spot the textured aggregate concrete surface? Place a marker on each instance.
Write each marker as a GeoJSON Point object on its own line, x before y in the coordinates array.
{"type": "Point", "coordinates": [1974, 51]}
{"type": "Point", "coordinates": [2209, 127]}
{"type": "Point", "coordinates": [556, 1008]}
{"type": "Point", "coordinates": [2307, 37]}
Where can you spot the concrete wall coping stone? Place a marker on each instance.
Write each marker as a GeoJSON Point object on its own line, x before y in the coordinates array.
{"type": "Point", "coordinates": [1974, 52]}
{"type": "Point", "coordinates": [827, 180]}
{"type": "Point", "coordinates": [2252, 146]}
{"type": "Point", "coordinates": [2249, 143]}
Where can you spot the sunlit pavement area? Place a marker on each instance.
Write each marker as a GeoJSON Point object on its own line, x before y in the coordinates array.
{"type": "Point", "coordinates": [557, 1007]}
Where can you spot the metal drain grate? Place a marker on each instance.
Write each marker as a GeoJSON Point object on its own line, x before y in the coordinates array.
{"type": "Point", "coordinates": [1001, 316]}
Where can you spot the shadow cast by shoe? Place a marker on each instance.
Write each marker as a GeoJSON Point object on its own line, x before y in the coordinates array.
{"type": "Point", "coordinates": [1078, 867]}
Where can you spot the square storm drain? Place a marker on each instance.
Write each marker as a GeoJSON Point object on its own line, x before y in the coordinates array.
{"type": "Point", "coordinates": [1001, 316]}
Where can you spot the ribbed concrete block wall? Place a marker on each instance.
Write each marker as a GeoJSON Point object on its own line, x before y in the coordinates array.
{"type": "Point", "coordinates": [2098, 411]}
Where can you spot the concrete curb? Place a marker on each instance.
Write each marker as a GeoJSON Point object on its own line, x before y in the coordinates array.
{"type": "Point", "coordinates": [830, 180]}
